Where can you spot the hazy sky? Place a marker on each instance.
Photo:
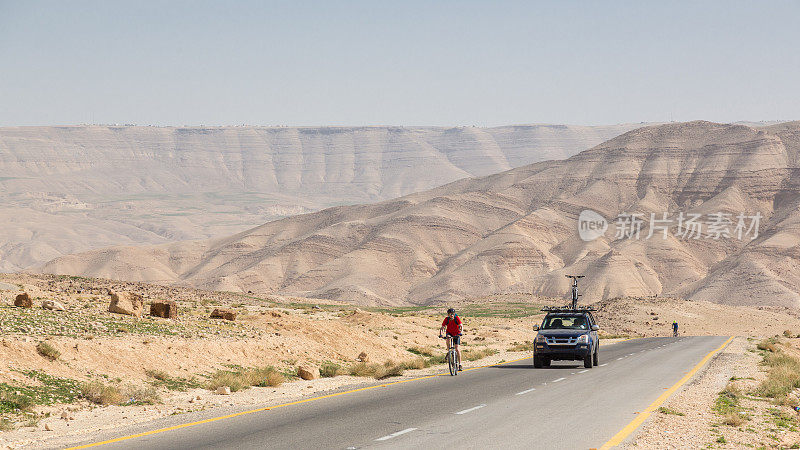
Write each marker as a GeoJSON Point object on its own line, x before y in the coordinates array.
{"type": "Point", "coordinates": [398, 63]}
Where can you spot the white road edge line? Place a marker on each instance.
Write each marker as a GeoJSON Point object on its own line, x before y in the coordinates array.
{"type": "Point", "coordinates": [393, 435]}
{"type": "Point", "coordinates": [601, 365]}
{"type": "Point", "coordinates": [584, 371]}
{"type": "Point", "coordinates": [525, 391]}
{"type": "Point", "coordinates": [619, 358]}
{"type": "Point", "coordinates": [471, 409]}
{"type": "Point", "coordinates": [560, 379]}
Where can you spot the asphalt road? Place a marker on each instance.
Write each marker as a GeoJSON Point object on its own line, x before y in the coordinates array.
{"type": "Point", "coordinates": [511, 406]}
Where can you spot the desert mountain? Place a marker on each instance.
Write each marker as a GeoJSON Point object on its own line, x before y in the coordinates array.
{"type": "Point", "coordinates": [517, 231]}
{"type": "Point", "coordinates": [70, 189]}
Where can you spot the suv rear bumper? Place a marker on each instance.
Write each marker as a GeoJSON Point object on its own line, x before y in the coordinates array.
{"type": "Point", "coordinates": [561, 352]}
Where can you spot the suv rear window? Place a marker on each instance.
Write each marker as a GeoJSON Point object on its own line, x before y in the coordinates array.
{"type": "Point", "coordinates": [565, 322]}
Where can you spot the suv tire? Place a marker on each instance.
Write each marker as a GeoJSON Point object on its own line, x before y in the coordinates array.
{"type": "Point", "coordinates": [596, 358]}
{"type": "Point", "coordinates": [537, 362]}
{"type": "Point", "coordinates": [587, 362]}
{"type": "Point", "coordinates": [546, 362]}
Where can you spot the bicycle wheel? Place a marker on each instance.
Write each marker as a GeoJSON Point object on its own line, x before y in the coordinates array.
{"type": "Point", "coordinates": [451, 362]}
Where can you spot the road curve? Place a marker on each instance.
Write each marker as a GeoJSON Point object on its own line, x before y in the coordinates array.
{"type": "Point", "coordinates": [511, 405]}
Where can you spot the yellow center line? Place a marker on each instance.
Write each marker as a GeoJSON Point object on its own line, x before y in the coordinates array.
{"type": "Point", "coordinates": [634, 424]}
{"type": "Point", "coordinates": [229, 416]}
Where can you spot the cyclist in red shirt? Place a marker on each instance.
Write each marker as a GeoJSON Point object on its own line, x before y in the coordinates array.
{"type": "Point", "coordinates": [452, 325]}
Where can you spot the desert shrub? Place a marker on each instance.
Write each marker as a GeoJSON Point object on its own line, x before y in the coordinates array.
{"type": "Point", "coordinates": [787, 333]}
{"type": "Point", "coordinates": [783, 376]}
{"type": "Point", "coordinates": [101, 393]}
{"type": "Point", "coordinates": [427, 352]}
{"type": "Point", "coordinates": [245, 378]}
{"type": "Point", "coordinates": [13, 402]}
{"type": "Point", "coordinates": [478, 353]}
{"type": "Point", "coordinates": [727, 406]}
{"type": "Point", "coordinates": [329, 369]}
{"type": "Point", "coordinates": [523, 347]}
{"type": "Point", "coordinates": [141, 395]}
{"type": "Point", "coordinates": [377, 371]}
{"type": "Point", "coordinates": [6, 425]}
{"type": "Point", "coordinates": [768, 345]}
{"type": "Point", "coordinates": [159, 375]}
{"type": "Point", "coordinates": [670, 411]}
{"type": "Point", "coordinates": [47, 350]}
{"type": "Point", "coordinates": [417, 363]}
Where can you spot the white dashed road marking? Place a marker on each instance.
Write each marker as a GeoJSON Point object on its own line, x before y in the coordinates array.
{"type": "Point", "coordinates": [560, 379]}
{"type": "Point", "coordinates": [471, 409]}
{"type": "Point", "coordinates": [526, 391]}
{"type": "Point", "coordinates": [601, 365]}
{"type": "Point", "coordinates": [585, 370]}
{"type": "Point", "coordinates": [393, 435]}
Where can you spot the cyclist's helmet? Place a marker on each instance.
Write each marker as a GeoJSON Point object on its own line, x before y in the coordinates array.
{"type": "Point", "coordinates": [451, 311]}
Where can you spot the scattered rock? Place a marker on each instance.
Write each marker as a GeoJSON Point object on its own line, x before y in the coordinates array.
{"type": "Point", "coordinates": [167, 309]}
{"type": "Point", "coordinates": [306, 374]}
{"type": "Point", "coordinates": [275, 314]}
{"type": "Point", "coordinates": [226, 314]}
{"type": "Point", "coordinates": [47, 427]}
{"type": "Point", "coordinates": [23, 301]}
{"type": "Point", "coordinates": [126, 303]}
{"type": "Point", "coordinates": [53, 305]}
{"type": "Point", "coordinates": [224, 390]}
{"type": "Point", "coordinates": [363, 357]}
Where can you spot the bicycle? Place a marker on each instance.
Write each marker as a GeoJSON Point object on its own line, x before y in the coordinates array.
{"type": "Point", "coordinates": [674, 332]}
{"type": "Point", "coordinates": [452, 357]}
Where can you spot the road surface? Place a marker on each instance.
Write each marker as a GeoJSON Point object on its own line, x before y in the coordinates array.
{"type": "Point", "coordinates": [511, 405]}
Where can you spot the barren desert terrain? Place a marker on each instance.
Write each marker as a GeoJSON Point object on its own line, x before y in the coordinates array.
{"type": "Point", "coordinates": [517, 231]}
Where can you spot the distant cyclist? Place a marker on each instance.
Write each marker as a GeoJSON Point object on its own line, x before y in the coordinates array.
{"type": "Point", "coordinates": [675, 328]}
{"type": "Point", "coordinates": [452, 325]}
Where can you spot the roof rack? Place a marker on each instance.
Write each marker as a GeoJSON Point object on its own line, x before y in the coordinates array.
{"type": "Point", "coordinates": [568, 308]}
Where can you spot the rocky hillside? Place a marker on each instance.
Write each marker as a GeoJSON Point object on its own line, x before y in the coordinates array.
{"type": "Point", "coordinates": [517, 231]}
{"type": "Point", "coordinates": [69, 189]}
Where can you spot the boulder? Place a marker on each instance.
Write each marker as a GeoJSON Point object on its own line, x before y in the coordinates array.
{"type": "Point", "coordinates": [23, 301]}
{"type": "Point", "coordinates": [226, 314]}
{"type": "Point", "coordinates": [307, 373]}
{"type": "Point", "coordinates": [167, 309]}
{"type": "Point", "coordinates": [53, 305]}
{"type": "Point", "coordinates": [126, 303]}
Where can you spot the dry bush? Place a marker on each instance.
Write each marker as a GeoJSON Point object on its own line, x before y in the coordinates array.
{"type": "Point", "coordinates": [141, 395]}
{"type": "Point", "coordinates": [329, 370]}
{"type": "Point", "coordinates": [768, 345]}
{"type": "Point", "coordinates": [6, 425]}
{"type": "Point", "coordinates": [427, 352]}
{"type": "Point", "coordinates": [477, 353]}
{"type": "Point", "coordinates": [101, 393]}
{"type": "Point", "coordinates": [13, 401]}
{"type": "Point", "coordinates": [734, 419]}
{"type": "Point", "coordinates": [783, 376]}
{"type": "Point", "coordinates": [417, 363]}
{"type": "Point", "coordinates": [47, 350]}
{"type": "Point", "coordinates": [526, 346]}
{"type": "Point", "coordinates": [244, 378]}
{"type": "Point", "coordinates": [377, 371]}
{"type": "Point", "coordinates": [159, 375]}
